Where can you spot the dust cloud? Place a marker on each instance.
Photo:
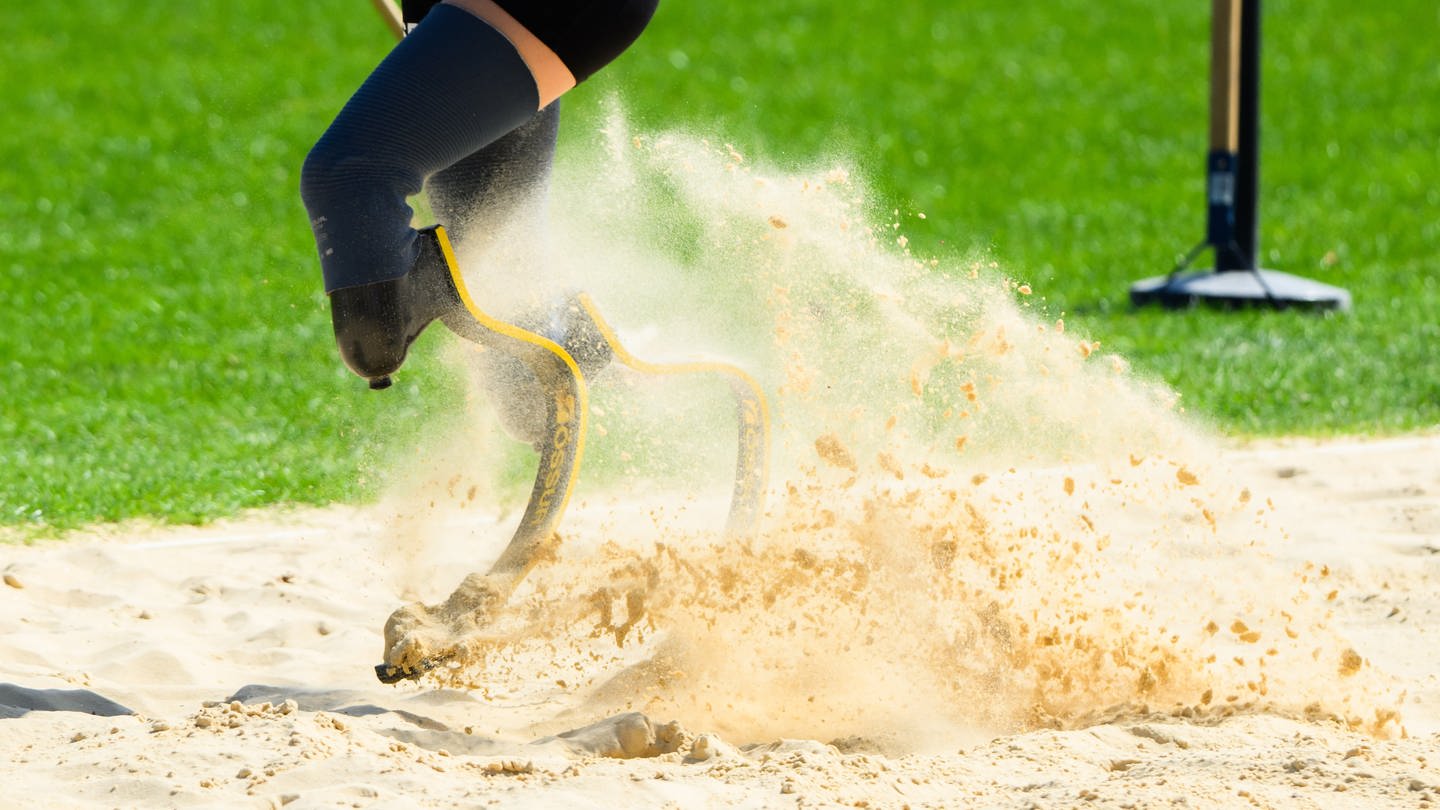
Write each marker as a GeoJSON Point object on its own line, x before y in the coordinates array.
{"type": "Point", "coordinates": [978, 521]}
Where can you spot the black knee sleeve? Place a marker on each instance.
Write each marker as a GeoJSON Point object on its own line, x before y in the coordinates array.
{"type": "Point", "coordinates": [452, 87]}
{"type": "Point", "coordinates": [491, 183]}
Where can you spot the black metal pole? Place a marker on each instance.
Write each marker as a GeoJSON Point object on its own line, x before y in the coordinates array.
{"type": "Point", "coordinates": [1244, 255]}
{"type": "Point", "coordinates": [1232, 188]}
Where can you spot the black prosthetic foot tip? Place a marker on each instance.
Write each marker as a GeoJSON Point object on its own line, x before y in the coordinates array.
{"type": "Point", "coordinates": [380, 383]}
{"type": "Point", "coordinates": [389, 674]}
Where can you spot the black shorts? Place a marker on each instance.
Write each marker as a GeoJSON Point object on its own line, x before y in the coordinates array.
{"type": "Point", "coordinates": [586, 34]}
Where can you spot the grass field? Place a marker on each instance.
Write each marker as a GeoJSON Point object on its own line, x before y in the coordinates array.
{"type": "Point", "coordinates": [166, 345]}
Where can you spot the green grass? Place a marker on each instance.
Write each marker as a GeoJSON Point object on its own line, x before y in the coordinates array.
{"type": "Point", "coordinates": [166, 350]}
{"type": "Point", "coordinates": [1068, 140]}
{"type": "Point", "coordinates": [165, 344]}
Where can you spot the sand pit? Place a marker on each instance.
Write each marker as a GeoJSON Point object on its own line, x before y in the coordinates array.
{"type": "Point", "coordinates": [996, 569]}
{"type": "Point", "coordinates": [230, 666]}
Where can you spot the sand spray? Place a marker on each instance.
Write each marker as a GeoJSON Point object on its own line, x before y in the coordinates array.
{"type": "Point", "coordinates": [979, 521]}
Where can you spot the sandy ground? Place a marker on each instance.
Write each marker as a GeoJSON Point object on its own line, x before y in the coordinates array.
{"type": "Point", "coordinates": [231, 666]}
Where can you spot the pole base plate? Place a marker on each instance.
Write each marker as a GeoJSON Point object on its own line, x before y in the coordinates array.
{"type": "Point", "coordinates": [1235, 289]}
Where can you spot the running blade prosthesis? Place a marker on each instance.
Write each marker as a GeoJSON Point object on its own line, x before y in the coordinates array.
{"type": "Point", "coordinates": [416, 635]}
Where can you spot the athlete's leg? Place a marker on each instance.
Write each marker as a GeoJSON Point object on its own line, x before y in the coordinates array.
{"type": "Point", "coordinates": [451, 87]}
{"type": "Point", "coordinates": [460, 81]}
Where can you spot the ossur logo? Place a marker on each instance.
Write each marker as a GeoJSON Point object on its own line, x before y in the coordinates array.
{"type": "Point", "coordinates": [562, 441]}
